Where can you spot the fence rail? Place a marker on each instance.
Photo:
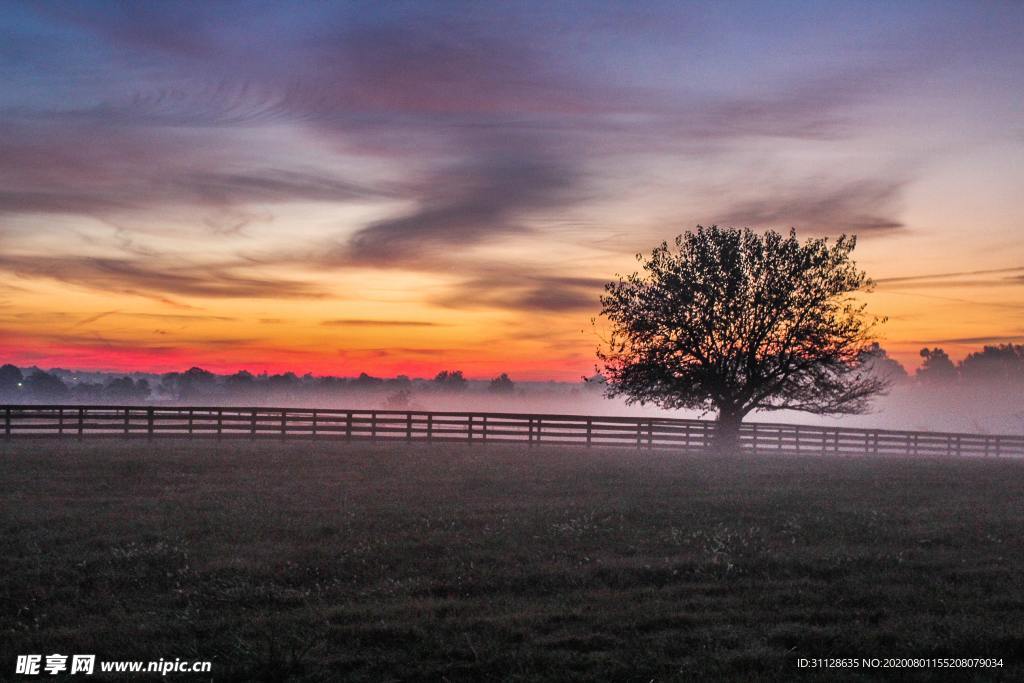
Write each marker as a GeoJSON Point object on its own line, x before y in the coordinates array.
{"type": "Point", "coordinates": [21, 421]}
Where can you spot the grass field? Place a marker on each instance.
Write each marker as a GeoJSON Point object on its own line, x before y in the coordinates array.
{"type": "Point", "coordinates": [372, 562]}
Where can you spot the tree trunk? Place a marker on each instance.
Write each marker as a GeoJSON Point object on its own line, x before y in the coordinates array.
{"type": "Point", "coordinates": [727, 433]}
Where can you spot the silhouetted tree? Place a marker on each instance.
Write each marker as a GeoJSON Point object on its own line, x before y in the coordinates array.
{"type": "Point", "coordinates": [502, 384]}
{"type": "Point", "coordinates": [125, 389]}
{"type": "Point", "coordinates": [734, 321]}
{"type": "Point", "coordinates": [876, 361]}
{"type": "Point", "coordinates": [937, 368]}
{"type": "Point", "coordinates": [10, 381]}
{"type": "Point", "coordinates": [365, 381]}
{"type": "Point", "coordinates": [194, 383]}
{"type": "Point", "coordinates": [240, 385]}
{"type": "Point", "coordinates": [1002, 364]}
{"type": "Point", "coordinates": [450, 381]}
{"type": "Point", "coordinates": [44, 387]}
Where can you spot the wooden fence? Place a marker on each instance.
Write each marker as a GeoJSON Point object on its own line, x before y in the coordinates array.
{"type": "Point", "coordinates": [482, 428]}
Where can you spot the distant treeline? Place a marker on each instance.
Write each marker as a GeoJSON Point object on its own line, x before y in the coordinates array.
{"type": "Point", "coordinates": [999, 365]}
{"type": "Point", "coordinates": [196, 385]}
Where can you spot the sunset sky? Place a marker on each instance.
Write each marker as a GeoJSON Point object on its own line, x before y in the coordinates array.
{"type": "Point", "coordinates": [408, 187]}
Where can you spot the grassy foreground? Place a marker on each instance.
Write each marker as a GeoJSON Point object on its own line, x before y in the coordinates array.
{"type": "Point", "coordinates": [369, 562]}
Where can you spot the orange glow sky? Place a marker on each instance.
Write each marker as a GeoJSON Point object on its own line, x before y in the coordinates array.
{"type": "Point", "coordinates": [405, 188]}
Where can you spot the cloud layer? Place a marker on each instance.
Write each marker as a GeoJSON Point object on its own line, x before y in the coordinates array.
{"type": "Point", "coordinates": [478, 160]}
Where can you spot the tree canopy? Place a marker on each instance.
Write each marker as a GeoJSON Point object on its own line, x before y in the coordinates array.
{"type": "Point", "coordinates": [936, 367]}
{"type": "Point", "coordinates": [733, 321]}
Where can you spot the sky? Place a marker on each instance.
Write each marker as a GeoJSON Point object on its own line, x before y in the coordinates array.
{"type": "Point", "coordinates": [401, 188]}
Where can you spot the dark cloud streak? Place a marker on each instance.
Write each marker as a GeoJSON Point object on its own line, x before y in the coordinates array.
{"type": "Point", "coordinates": [858, 207]}
{"type": "Point", "coordinates": [134, 276]}
{"type": "Point", "coordinates": [944, 276]}
{"type": "Point", "coordinates": [350, 322]}
{"type": "Point", "coordinates": [463, 207]}
{"type": "Point", "coordinates": [525, 292]}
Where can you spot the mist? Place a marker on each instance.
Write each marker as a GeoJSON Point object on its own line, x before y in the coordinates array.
{"type": "Point", "coordinates": [984, 393]}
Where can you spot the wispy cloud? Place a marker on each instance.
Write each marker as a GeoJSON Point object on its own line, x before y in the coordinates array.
{"type": "Point", "coordinates": [857, 207]}
{"type": "Point", "coordinates": [524, 291]}
{"type": "Point", "coordinates": [355, 322]}
{"type": "Point", "coordinates": [820, 106]}
{"type": "Point", "coordinates": [992, 339]}
{"type": "Point", "coordinates": [94, 318]}
{"type": "Point", "coordinates": [465, 206]}
{"type": "Point", "coordinates": [107, 170]}
{"type": "Point", "coordinates": [132, 275]}
{"type": "Point", "coordinates": [931, 278]}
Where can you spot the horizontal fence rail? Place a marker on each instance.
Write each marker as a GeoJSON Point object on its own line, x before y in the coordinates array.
{"type": "Point", "coordinates": [483, 428]}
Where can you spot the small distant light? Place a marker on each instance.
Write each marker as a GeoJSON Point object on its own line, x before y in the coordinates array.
{"type": "Point", "coordinates": [19, 384]}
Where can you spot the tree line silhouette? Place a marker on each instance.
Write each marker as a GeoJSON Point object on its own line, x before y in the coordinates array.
{"type": "Point", "coordinates": [35, 385]}
{"type": "Point", "coordinates": [998, 364]}
{"type": "Point", "coordinates": [1001, 364]}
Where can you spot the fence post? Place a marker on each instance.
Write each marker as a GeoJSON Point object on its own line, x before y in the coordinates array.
{"type": "Point", "coordinates": [284, 423]}
{"type": "Point", "coordinates": [430, 427]}
{"type": "Point", "coordinates": [373, 425]}
{"type": "Point", "coordinates": [470, 429]}
{"type": "Point", "coordinates": [7, 422]}
{"type": "Point", "coordinates": [220, 422]}
{"type": "Point", "coordinates": [314, 423]}
{"type": "Point", "coordinates": [485, 431]}
{"type": "Point", "coordinates": [650, 434]}
{"type": "Point", "coordinates": [540, 428]}
{"type": "Point", "coordinates": [796, 437]}
{"type": "Point", "coordinates": [639, 425]}
{"type": "Point", "coordinates": [60, 421]}
{"type": "Point", "coordinates": [190, 414]}
{"type": "Point", "coordinates": [408, 427]}
{"type": "Point", "coordinates": [348, 425]}
{"type": "Point", "coordinates": [529, 434]}
{"type": "Point", "coordinates": [252, 425]}
{"type": "Point", "coordinates": [998, 446]}
{"type": "Point", "coordinates": [958, 452]}
{"type": "Point", "coordinates": [149, 423]}
{"type": "Point", "coordinates": [753, 432]}
{"type": "Point", "coordinates": [590, 432]}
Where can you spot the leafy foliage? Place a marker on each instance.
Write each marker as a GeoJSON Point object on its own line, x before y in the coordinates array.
{"type": "Point", "coordinates": [450, 380]}
{"type": "Point", "coordinates": [502, 384]}
{"type": "Point", "coordinates": [1002, 363]}
{"type": "Point", "coordinates": [936, 367]}
{"type": "Point", "coordinates": [736, 321]}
